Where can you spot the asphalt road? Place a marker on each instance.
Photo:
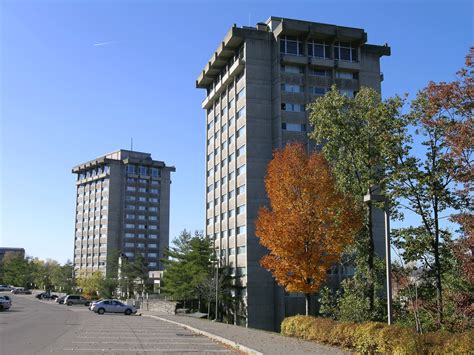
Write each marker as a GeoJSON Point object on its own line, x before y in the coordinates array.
{"type": "Point", "coordinates": [32, 326]}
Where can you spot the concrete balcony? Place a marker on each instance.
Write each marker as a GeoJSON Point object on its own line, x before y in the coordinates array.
{"type": "Point", "coordinates": [234, 70]}
{"type": "Point", "coordinates": [345, 64]}
{"type": "Point", "coordinates": [322, 62]}
{"type": "Point", "coordinates": [293, 59]}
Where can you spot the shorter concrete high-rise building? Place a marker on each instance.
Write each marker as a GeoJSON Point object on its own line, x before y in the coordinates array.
{"type": "Point", "coordinates": [122, 207]}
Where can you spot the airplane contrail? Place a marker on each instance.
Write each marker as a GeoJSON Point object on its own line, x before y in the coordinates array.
{"type": "Point", "coordinates": [103, 43]}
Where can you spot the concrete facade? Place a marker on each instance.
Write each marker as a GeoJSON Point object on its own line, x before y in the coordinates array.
{"type": "Point", "coordinates": [122, 207]}
{"type": "Point", "coordinates": [258, 82]}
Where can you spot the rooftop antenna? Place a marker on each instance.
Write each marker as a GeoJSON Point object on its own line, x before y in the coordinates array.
{"type": "Point", "coordinates": [131, 144]}
{"type": "Point", "coordinates": [249, 19]}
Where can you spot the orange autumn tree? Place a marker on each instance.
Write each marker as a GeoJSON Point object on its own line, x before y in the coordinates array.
{"type": "Point", "coordinates": [309, 222]}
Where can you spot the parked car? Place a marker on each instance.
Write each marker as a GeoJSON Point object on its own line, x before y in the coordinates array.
{"type": "Point", "coordinates": [46, 296]}
{"type": "Point", "coordinates": [75, 299]}
{"type": "Point", "coordinates": [5, 303]}
{"type": "Point", "coordinates": [60, 300]}
{"type": "Point", "coordinates": [21, 290]}
{"type": "Point", "coordinates": [93, 303]}
{"type": "Point", "coordinates": [6, 288]}
{"type": "Point", "coordinates": [113, 306]}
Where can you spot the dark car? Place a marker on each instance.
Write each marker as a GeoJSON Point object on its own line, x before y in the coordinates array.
{"type": "Point", "coordinates": [46, 296]}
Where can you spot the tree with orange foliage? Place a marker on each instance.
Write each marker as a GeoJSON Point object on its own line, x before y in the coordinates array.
{"type": "Point", "coordinates": [309, 222]}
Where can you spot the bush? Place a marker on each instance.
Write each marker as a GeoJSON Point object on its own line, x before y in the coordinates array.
{"type": "Point", "coordinates": [374, 337]}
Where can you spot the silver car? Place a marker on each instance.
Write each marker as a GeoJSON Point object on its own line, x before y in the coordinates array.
{"type": "Point", "coordinates": [5, 302]}
{"type": "Point", "coordinates": [113, 306]}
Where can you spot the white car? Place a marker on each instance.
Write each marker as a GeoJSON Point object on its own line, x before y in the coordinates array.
{"type": "Point", "coordinates": [5, 303]}
{"type": "Point", "coordinates": [113, 306]}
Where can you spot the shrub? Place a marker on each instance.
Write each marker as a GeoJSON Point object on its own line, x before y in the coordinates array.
{"type": "Point", "coordinates": [374, 337]}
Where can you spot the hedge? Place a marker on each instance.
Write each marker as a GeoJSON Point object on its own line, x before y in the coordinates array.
{"type": "Point", "coordinates": [374, 337]}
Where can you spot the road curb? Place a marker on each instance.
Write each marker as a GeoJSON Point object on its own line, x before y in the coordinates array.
{"type": "Point", "coordinates": [226, 341]}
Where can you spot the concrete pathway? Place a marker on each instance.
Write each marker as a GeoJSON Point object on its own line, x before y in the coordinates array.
{"type": "Point", "coordinates": [247, 340]}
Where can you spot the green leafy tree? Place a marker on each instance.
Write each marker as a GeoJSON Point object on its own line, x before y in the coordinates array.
{"type": "Point", "coordinates": [187, 266]}
{"type": "Point", "coordinates": [134, 275]}
{"type": "Point", "coordinates": [360, 137]}
{"type": "Point", "coordinates": [16, 270]}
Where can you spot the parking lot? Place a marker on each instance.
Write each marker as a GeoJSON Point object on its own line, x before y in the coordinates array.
{"type": "Point", "coordinates": [39, 327]}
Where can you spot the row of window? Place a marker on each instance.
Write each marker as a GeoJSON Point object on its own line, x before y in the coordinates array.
{"type": "Point", "coordinates": [300, 89]}
{"type": "Point", "coordinates": [140, 245]}
{"type": "Point", "coordinates": [142, 189]}
{"type": "Point", "coordinates": [231, 251]}
{"type": "Point", "coordinates": [240, 133]}
{"type": "Point", "coordinates": [104, 169]}
{"type": "Point", "coordinates": [81, 191]}
{"type": "Point", "coordinates": [228, 232]}
{"type": "Point", "coordinates": [141, 208]}
{"type": "Point", "coordinates": [240, 170]}
{"type": "Point", "coordinates": [141, 217]}
{"type": "Point", "coordinates": [295, 46]}
{"type": "Point", "coordinates": [141, 198]}
{"type": "Point", "coordinates": [129, 235]}
{"type": "Point", "coordinates": [240, 190]}
{"type": "Point", "coordinates": [215, 121]}
{"type": "Point", "coordinates": [143, 170]}
{"type": "Point", "coordinates": [140, 226]}
{"type": "Point", "coordinates": [229, 214]}
{"type": "Point", "coordinates": [143, 181]}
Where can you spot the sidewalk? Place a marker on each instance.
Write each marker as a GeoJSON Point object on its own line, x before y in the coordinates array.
{"type": "Point", "coordinates": [250, 341]}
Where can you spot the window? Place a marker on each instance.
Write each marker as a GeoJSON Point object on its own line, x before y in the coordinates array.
{"type": "Point", "coordinates": [293, 127]}
{"type": "Point", "coordinates": [130, 216]}
{"type": "Point", "coordinates": [231, 251]}
{"type": "Point", "coordinates": [141, 208]}
{"type": "Point", "coordinates": [241, 151]}
{"type": "Point", "coordinates": [231, 232]}
{"type": "Point", "coordinates": [216, 118]}
{"type": "Point", "coordinates": [141, 226]}
{"type": "Point", "coordinates": [152, 236]}
{"type": "Point", "coordinates": [153, 209]}
{"type": "Point", "coordinates": [223, 216]}
{"type": "Point", "coordinates": [231, 103]}
{"type": "Point", "coordinates": [224, 111]}
{"type": "Point", "coordinates": [129, 245]}
{"type": "Point", "coordinates": [129, 226]}
{"type": "Point", "coordinates": [348, 93]}
{"type": "Point", "coordinates": [153, 227]}
{"type": "Point", "coordinates": [292, 69]}
{"type": "Point", "coordinates": [240, 230]}
{"type": "Point", "coordinates": [319, 49]}
{"type": "Point", "coordinates": [223, 162]}
{"type": "Point", "coordinates": [141, 236]}
{"type": "Point", "coordinates": [241, 132]}
{"type": "Point", "coordinates": [131, 188]}
{"type": "Point", "coordinates": [231, 157]}
{"type": "Point", "coordinates": [142, 199]}
{"type": "Point", "coordinates": [241, 94]}
{"type": "Point", "coordinates": [291, 45]}
{"type": "Point", "coordinates": [345, 51]}
{"type": "Point", "coordinates": [153, 199]}
{"type": "Point", "coordinates": [141, 217]}
{"type": "Point", "coordinates": [143, 170]}
{"type": "Point", "coordinates": [152, 255]}
{"type": "Point", "coordinates": [317, 90]}
{"type": "Point", "coordinates": [241, 170]}
{"type": "Point", "coordinates": [241, 250]}
{"type": "Point", "coordinates": [318, 72]}
{"type": "Point", "coordinates": [152, 245]}
{"type": "Point", "coordinates": [130, 198]}
{"type": "Point", "coordinates": [231, 213]}
{"type": "Point", "coordinates": [341, 74]}
{"type": "Point", "coordinates": [292, 88]}
{"type": "Point", "coordinates": [240, 189]}
{"type": "Point", "coordinates": [209, 221]}
{"type": "Point", "coordinates": [231, 139]}
{"type": "Point", "coordinates": [155, 172]}
{"type": "Point", "coordinates": [240, 209]}
{"type": "Point", "coordinates": [128, 207]}
{"type": "Point", "coordinates": [210, 125]}
{"type": "Point", "coordinates": [230, 194]}
{"type": "Point", "coordinates": [241, 112]}
{"type": "Point", "coordinates": [129, 235]}
{"type": "Point", "coordinates": [152, 264]}
{"type": "Point", "coordinates": [131, 169]}
{"type": "Point", "coordinates": [292, 107]}
{"type": "Point", "coordinates": [224, 180]}
{"type": "Point", "coordinates": [154, 191]}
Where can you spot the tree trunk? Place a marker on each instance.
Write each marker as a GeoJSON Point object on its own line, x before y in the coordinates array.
{"type": "Point", "coordinates": [370, 259]}
{"type": "Point", "coordinates": [307, 298]}
{"type": "Point", "coordinates": [208, 308]}
{"type": "Point", "coordinates": [439, 288]}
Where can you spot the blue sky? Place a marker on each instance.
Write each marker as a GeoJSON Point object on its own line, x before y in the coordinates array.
{"type": "Point", "coordinates": [64, 101]}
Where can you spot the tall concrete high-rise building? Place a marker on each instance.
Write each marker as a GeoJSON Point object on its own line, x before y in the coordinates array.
{"type": "Point", "coordinates": [122, 207]}
{"type": "Point", "coordinates": [258, 82]}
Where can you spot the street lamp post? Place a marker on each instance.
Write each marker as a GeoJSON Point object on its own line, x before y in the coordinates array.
{"type": "Point", "coordinates": [375, 197]}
